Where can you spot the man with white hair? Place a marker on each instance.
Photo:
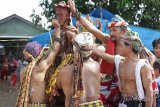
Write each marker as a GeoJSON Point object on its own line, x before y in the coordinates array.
{"type": "Point", "coordinates": [80, 80]}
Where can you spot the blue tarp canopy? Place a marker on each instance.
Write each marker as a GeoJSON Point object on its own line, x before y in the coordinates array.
{"type": "Point", "coordinates": [43, 39]}
{"type": "Point", "coordinates": [105, 13]}
{"type": "Point", "coordinates": [147, 35]}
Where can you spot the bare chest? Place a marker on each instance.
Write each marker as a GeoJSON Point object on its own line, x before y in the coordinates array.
{"type": "Point", "coordinates": [38, 77]}
{"type": "Point", "coordinates": [127, 71]}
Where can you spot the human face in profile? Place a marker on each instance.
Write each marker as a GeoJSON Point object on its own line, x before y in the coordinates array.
{"type": "Point", "coordinates": [124, 48]}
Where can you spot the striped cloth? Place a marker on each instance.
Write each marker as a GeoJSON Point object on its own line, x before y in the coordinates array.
{"type": "Point", "coordinates": [117, 23]}
{"type": "Point", "coordinates": [97, 103]}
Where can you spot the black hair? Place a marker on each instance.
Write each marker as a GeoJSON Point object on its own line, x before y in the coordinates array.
{"type": "Point", "coordinates": [155, 42]}
{"type": "Point", "coordinates": [156, 65]}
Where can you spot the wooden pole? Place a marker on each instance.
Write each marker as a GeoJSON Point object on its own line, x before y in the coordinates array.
{"type": "Point", "coordinates": [101, 10]}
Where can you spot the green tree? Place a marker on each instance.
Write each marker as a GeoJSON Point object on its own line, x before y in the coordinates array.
{"type": "Point", "coordinates": [143, 13]}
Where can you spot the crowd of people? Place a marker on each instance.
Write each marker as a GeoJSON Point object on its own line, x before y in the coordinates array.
{"type": "Point", "coordinates": [11, 68]}
{"type": "Point", "coordinates": [77, 72]}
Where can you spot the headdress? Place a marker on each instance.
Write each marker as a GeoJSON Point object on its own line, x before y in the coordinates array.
{"type": "Point", "coordinates": [133, 39]}
{"type": "Point", "coordinates": [81, 40]}
{"type": "Point", "coordinates": [63, 5]}
{"type": "Point", "coordinates": [117, 21]}
{"type": "Point", "coordinates": [32, 48]}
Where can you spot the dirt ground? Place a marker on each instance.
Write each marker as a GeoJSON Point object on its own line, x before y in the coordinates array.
{"type": "Point", "coordinates": [8, 94]}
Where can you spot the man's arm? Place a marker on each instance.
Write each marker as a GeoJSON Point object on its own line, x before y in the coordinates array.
{"type": "Point", "coordinates": [91, 28]}
{"type": "Point", "coordinates": [88, 25]}
{"type": "Point", "coordinates": [56, 46]}
{"type": "Point", "coordinates": [147, 84]}
{"type": "Point", "coordinates": [101, 48]}
{"type": "Point", "coordinates": [107, 57]}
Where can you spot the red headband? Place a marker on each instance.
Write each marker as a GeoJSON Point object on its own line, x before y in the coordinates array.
{"type": "Point", "coordinates": [119, 23]}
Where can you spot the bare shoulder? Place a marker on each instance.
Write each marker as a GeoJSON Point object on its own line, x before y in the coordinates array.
{"type": "Point", "coordinates": [101, 48]}
{"type": "Point", "coordinates": [65, 71]}
{"type": "Point", "coordinates": [145, 70]}
{"type": "Point", "coordinates": [65, 75]}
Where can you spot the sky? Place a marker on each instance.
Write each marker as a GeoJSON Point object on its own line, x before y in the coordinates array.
{"type": "Point", "coordinates": [22, 8]}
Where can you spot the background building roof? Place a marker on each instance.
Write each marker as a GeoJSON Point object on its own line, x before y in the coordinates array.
{"type": "Point", "coordinates": [15, 26]}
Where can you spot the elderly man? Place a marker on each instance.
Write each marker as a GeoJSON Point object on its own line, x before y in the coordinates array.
{"type": "Point", "coordinates": [80, 81]}
{"type": "Point", "coordinates": [134, 75]}
{"type": "Point", "coordinates": [67, 33]}
{"type": "Point", "coordinates": [32, 77]}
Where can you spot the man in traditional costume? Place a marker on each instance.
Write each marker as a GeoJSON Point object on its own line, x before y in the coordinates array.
{"type": "Point", "coordinates": [134, 75]}
{"type": "Point", "coordinates": [32, 77]}
{"type": "Point", "coordinates": [80, 80]}
{"type": "Point", "coordinates": [67, 33]}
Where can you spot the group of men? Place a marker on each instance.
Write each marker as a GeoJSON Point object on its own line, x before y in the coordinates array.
{"type": "Point", "coordinates": [121, 79]}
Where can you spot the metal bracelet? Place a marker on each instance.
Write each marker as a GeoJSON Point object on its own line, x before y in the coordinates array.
{"type": "Point", "coordinates": [58, 39]}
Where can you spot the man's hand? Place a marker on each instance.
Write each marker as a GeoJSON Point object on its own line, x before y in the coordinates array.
{"type": "Point", "coordinates": [55, 23]}
{"type": "Point", "coordinates": [72, 6]}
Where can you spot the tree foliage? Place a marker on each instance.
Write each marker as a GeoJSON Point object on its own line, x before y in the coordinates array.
{"type": "Point", "coordinates": [143, 13]}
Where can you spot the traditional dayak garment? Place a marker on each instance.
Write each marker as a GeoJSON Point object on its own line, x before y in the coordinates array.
{"type": "Point", "coordinates": [97, 103]}
{"type": "Point", "coordinates": [132, 100]}
{"type": "Point", "coordinates": [136, 99]}
{"type": "Point", "coordinates": [83, 39]}
{"type": "Point", "coordinates": [35, 56]}
{"type": "Point", "coordinates": [37, 105]}
{"type": "Point", "coordinates": [139, 99]}
{"type": "Point", "coordinates": [52, 82]}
